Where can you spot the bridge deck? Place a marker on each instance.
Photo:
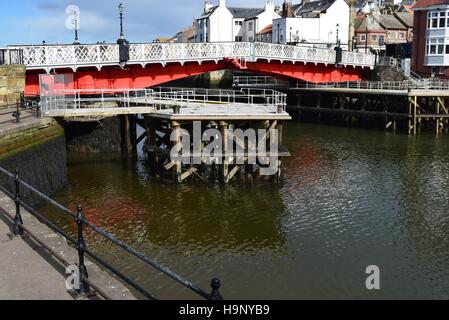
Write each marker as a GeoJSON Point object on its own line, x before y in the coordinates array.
{"type": "Point", "coordinates": [167, 103]}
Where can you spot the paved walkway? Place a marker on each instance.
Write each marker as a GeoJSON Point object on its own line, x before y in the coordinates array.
{"type": "Point", "coordinates": [28, 120]}
{"type": "Point", "coordinates": [25, 274]}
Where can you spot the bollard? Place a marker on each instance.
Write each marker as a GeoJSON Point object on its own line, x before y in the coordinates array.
{"type": "Point", "coordinates": [80, 247]}
{"type": "Point", "coordinates": [280, 109]}
{"type": "Point", "coordinates": [16, 114]}
{"type": "Point", "coordinates": [215, 294]}
{"type": "Point", "coordinates": [18, 222]}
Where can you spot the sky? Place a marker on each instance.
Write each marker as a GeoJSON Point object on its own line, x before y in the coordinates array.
{"type": "Point", "coordinates": [33, 21]}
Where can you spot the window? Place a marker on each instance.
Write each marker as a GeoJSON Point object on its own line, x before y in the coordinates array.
{"type": "Point", "coordinates": [390, 35]}
{"type": "Point", "coordinates": [362, 37]}
{"type": "Point", "coordinates": [435, 46]}
{"type": "Point", "coordinates": [251, 26]}
{"type": "Point", "coordinates": [441, 71]}
{"type": "Point", "coordinates": [238, 39]}
{"type": "Point", "coordinates": [447, 49]}
{"type": "Point", "coordinates": [437, 20]}
{"type": "Point", "coordinates": [381, 40]}
{"type": "Point", "coordinates": [442, 23]}
{"type": "Point", "coordinates": [374, 37]}
{"type": "Point", "coordinates": [238, 23]}
{"type": "Point", "coordinates": [432, 20]}
{"type": "Point", "coordinates": [401, 35]}
{"type": "Point", "coordinates": [251, 39]}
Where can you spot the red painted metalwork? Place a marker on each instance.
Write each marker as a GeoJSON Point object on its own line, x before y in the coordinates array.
{"type": "Point", "coordinates": [135, 76]}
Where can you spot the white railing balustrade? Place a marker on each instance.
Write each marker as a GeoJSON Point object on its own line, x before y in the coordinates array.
{"type": "Point", "coordinates": [70, 55]}
{"type": "Point", "coordinates": [48, 57]}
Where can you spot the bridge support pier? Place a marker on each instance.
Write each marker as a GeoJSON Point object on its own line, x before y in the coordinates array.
{"type": "Point", "coordinates": [212, 144]}
{"type": "Point", "coordinates": [402, 112]}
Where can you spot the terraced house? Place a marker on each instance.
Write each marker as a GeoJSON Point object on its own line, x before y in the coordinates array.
{"type": "Point", "coordinates": [431, 41]}
{"type": "Point", "coordinates": [221, 23]}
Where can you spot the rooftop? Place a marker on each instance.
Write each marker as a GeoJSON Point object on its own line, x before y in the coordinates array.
{"type": "Point", "coordinates": [406, 18]}
{"type": "Point", "coordinates": [389, 21]}
{"type": "Point", "coordinates": [267, 29]}
{"type": "Point", "coordinates": [237, 12]}
{"type": "Point", "coordinates": [428, 3]}
{"type": "Point", "coordinates": [245, 13]}
{"type": "Point", "coordinates": [314, 8]}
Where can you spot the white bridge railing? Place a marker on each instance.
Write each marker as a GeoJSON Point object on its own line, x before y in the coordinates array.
{"type": "Point", "coordinates": [49, 57]}
{"type": "Point", "coordinates": [92, 102]}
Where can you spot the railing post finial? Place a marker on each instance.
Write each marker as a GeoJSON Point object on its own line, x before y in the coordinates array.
{"type": "Point", "coordinates": [215, 294]}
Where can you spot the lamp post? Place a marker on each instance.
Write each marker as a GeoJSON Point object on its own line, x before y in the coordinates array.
{"type": "Point", "coordinates": [121, 9]}
{"type": "Point", "coordinates": [76, 32]}
{"type": "Point", "coordinates": [338, 40]}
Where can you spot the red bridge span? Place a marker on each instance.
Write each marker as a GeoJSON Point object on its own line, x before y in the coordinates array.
{"type": "Point", "coordinates": [109, 66]}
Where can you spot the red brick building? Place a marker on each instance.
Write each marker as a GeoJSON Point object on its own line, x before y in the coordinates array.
{"type": "Point", "coordinates": [430, 53]}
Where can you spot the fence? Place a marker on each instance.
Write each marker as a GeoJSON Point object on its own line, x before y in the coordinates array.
{"type": "Point", "coordinates": [11, 56]}
{"type": "Point", "coordinates": [15, 194]}
{"type": "Point", "coordinates": [407, 85]}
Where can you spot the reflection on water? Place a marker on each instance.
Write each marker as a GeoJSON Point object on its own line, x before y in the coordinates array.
{"type": "Point", "coordinates": [348, 199]}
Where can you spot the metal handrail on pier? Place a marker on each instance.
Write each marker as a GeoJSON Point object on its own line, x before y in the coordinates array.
{"type": "Point", "coordinates": [79, 242]}
{"type": "Point", "coordinates": [57, 102]}
{"type": "Point", "coordinates": [431, 84]}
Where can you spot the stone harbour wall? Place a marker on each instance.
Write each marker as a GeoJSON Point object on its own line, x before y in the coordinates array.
{"type": "Point", "coordinates": [12, 83]}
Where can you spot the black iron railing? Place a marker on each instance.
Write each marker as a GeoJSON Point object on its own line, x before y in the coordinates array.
{"type": "Point", "coordinates": [19, 185]}
{"type": "Point", "coordinates": [11, 56]}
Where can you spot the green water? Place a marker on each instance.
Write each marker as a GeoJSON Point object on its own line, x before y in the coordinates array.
{"type": "Point", "coordinates": [348, 199]}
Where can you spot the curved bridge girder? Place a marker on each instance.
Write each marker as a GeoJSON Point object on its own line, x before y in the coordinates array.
{"type": "Point", "coordinates": [136, 76]}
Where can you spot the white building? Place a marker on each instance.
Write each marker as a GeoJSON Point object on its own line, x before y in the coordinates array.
{"type": "Point", "coordinates": [227, 24]}
{"type": "Point", "coordinates": [255, 24]}
{"type": "Point", "coordinates": [316, 22]}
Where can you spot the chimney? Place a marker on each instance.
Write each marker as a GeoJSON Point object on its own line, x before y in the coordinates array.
{"type": "Point", "coordinates": [207, 6]}
{"type": "Point", "coordinates": [222, 3]}
{"type": "Point", "coordinates": [277, 10]}
{"type": "Point", "coordinates": [287, 9]}
{"type": "Point", "coordinates": [269, 6]}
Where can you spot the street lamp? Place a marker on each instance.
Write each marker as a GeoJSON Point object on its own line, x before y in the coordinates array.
{"type": "Point", "coordinates": [76, 32]}
{"type": "Point", "coordinates": [338, 40]}
{"type": "Point", "coordinates": [121, 9]}
{"type": "Point", "coordinates": [354, 43]}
